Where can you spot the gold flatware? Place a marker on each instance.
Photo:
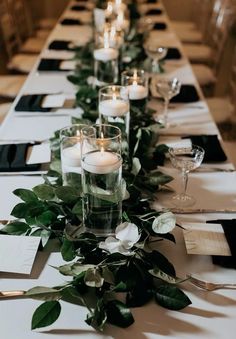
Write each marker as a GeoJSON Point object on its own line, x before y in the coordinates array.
{"type": "Point", "coordinates": [198, 210]}
{"type": "Point", "coordinates": [11, 294]}
{"type": "Point", "coordinates": [209, 286]}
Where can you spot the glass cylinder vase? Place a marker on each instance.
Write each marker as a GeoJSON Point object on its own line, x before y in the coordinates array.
{"type": "Point", "coordinates": [136, 81]}
{"type": "Point", "coordinates": [114, 110]}
{"type": "Point", "coordinates": [101, 179]}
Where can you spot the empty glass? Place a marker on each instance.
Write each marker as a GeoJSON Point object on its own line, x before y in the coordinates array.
{"type": "Point", "coordinates": [155, 53]}
{"type": "Point", "coordinates": [185, 159]}
{"type": "Point", "coordinates": [167, 89]}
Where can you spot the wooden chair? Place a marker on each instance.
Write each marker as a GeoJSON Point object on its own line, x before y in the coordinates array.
{"type": "Point", "coordinates": [23, 23]}
{"type": "Point", "coordinates": [194, 31]}
{"type": "Point", "coordinates": [203, 53]}
{"type": "Point", "coordinates": [18, 62]}
{"type": "Point", "coordinates": [207, 74]}
{"type": "Point", "coordinates": [4, 109]}
{"type": "Point", "coordinates": [223, 108]}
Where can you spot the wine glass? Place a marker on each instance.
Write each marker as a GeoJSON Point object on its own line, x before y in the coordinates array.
{"type": "Point", "coordinates": [167, 89]}
{"type": "Point", "coordinates": [155, 53]}
{"type": "Point", "coordinates": [185, 159]}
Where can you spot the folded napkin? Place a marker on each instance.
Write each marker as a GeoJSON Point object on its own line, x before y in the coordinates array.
{"type": "Point", "coordinates": [31, 103]}
{"type": "Point", "coordinates": [70, 22]}
{"type": "Point", "coordinates": [51, 65]}
{"type": "Point", "coordinates": [60, 45]}
{"type": "Point", "coordinates": [188, 93]}
{"type": "Point", "coordinates": [229, 227]}
{"type": "Point", "coordinates": [173, 53]}
{"type": "Point", "coordinates": [154, 11]}
{"type": "Point", "coordinates": [13, 158]}
{"type": "Point", "coordinates": [159, 26]}
{"type": "Point", "coordinates": [79, 8]}
{"type": "Point", "coordinates": [211, 145]}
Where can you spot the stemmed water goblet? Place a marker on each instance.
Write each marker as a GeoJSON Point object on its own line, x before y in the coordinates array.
{"type": "Point", "coordinates": [167, 89]}
{"type": "Point", "coordinates": [185, 159]}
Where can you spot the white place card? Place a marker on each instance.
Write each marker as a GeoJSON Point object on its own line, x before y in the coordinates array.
{"type": "Point", "coordinates": [39, 154]}
{"type": "Point", "coordinates": [205, 239]}
{"type": "Point", "coordinates": [53, 101]}
{"type": "Point", "coordinates": [68, 65]}
{"type": "Point", "coordinates": [17, 253]}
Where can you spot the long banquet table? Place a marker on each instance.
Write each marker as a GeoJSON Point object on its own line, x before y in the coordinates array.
{"type": "Point", "coordinates": [212, 314]}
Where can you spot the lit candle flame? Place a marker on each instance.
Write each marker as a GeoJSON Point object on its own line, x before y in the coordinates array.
{"type": "Point", "coordinates": [102, 139]}
{"type": "Point", "coordinates": [135, 77]}
{"type": "Point", "coordinates": [106, 39]}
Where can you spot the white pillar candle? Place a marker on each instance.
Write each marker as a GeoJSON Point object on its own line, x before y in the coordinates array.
{"type": "Point", "coordinates": [105, 54]}
{"type": "Point", "coordinates": [137, 92]}
{"type": "Point", "coordinates": [101, 162]}
{"type": "Point", "coordinates": [71, 156]}
{"type": "Point", "coordinates": [113, 108]}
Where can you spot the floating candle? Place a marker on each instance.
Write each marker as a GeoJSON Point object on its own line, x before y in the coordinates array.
{"type": "Point", "coordinates": [137, 92]}
{"type": "Point", "coordinates": [71, 156]}
{"type": "Point", "coordinates": [101, 162]}
{"type": "Point", "coordinates": [113, 108]}
{"type": "Point", "coordinates": [105, 54]}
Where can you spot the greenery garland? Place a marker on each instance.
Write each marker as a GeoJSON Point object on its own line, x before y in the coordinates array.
{"type": "Point", "coordinates": [127, 264]}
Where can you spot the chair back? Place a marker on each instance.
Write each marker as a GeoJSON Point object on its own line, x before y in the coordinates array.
{"type": "Point", "coordinates": [8, 30]}
{"type": "Point", "coordinates": [21, 18]}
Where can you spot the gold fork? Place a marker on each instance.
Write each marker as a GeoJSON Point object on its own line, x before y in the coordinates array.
{"type": "Point", "coordinates": [11, 294]}
{"type": "Point", "coordinates": [209, 286]}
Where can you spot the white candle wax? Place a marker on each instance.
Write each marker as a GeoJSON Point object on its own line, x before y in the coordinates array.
{"type": "Point", "coordinates": [71, 156]}
{"type": "Point", "coordinates": [105, 54]}
{"type": "Point", "coordinates": [137, 92]}
{"type": "Point", "coordinates": [113, 108]}
{"type": "Point", "coordinates": [101, 162]}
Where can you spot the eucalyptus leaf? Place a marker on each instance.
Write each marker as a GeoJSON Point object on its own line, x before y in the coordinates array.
{"type": "Point", "coordinates": [136, 166]}
{"type": "Point", "coordinates": [20, 210]}
{"type": "Point", "coordinates": [45, 236]}
{"type": "Point", "coordinates": [44, 192]}
{"type": "Point", "coordinates": [46, 218]}
{"type": "Point", "coordinates": [171, 297]}
{"type": "Point", "coordinates": [93, 278]}
{"type": "Point", "coordinates": [67, 194]}
{"type": "Point", "coordinates": [46, 314]}
{"type": "Point", "coordinates": [74, 269]}
{"type": "Point", "coordinates": [25, 195]}
{"type": "Point", "coordinates": [157, 273]}
{"type": "Point", "coordinates": [68, 250]}
{"type": "Point", "coordinates": [119, 314]}
{"type": "Point", "coordinates": [44, 293]}
{"type": "Point", "coordinates": [16, 228]}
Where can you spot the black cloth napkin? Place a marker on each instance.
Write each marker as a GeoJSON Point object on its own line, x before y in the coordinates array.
{"type": "Point", "coordinates": [229, 227]}
{"type": "Point", "coordinates": [79, 8]}
{"type": "Point", "coordinates": [154, 11]}
{"type": "Point", "coordinates": [13, 158]}
{"type": "Point", "coordinates": [60, 45]}
{"type": "Point", "coordinates": [159, 26]}
{"type": "Point", "coordinates": [71, 22]}
{"type": "Point", "coordinates": [31, 103]}
{"type": "Point", "coordinates": [188, 93]}
{"type": "Point", "coordinates": [51, 65]}
{"type": "Point", "coordinates": [151, 1]}
{"type": "Point", "coordinates": [173, 53]}
{"type": "Point", "coordinates": [211, 145]}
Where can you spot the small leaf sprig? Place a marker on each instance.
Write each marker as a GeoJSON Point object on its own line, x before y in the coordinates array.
{"type": "Point", "coordinates": [125, 265]}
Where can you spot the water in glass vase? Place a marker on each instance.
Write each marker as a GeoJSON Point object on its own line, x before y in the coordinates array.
{"type": "Point", "coordinates": [102, 193]}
